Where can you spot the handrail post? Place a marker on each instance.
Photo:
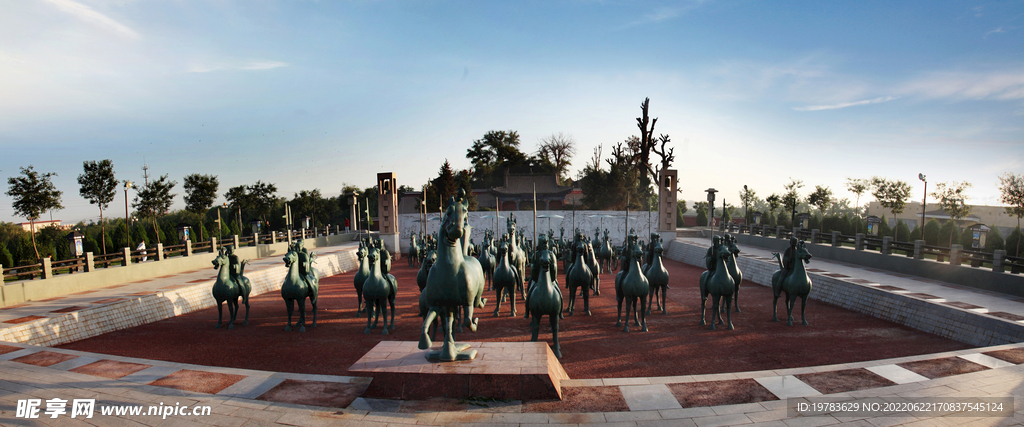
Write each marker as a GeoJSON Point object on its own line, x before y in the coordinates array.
{"type": "Point", "coordinates": [273, 237]}
{"type": "Point", "coordinates": [955, 254]}
{"type": "Point", "coordinates": [159, 251]}
{"type": "Point", "coordinates": [835, 238]}
{"type": "Point", "coordinates": [255, 240]}
{"type": "Point", "coordinates": [236, 241]}
{"type": "Point", "coordinates": [127, 254]}
{"type": "Point", "coordinates": [47, 267]}
{"type": "Point", "coordinates": [886, 245]}
{"type": "Point", "coordinates": [213, 244]}
{"type": "Point", "coordinates": [997, 260]}
{"type": "Point", "coordinates": [188, 248]}
{"type": "Point", "coordinates": [778, 232]}
{"type": "Point", "coordinates": [814, 235]}
{"type": "Point", "coordinates": [90, 262]}
{"type": "Point", "coordinates": [919, 249]}
{"type": "Point", "coordinates": [859, 242]}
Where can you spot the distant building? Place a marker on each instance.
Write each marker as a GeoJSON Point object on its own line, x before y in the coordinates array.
{"type": "Point", "coordinates": [519, 189]}
{"type": "Point", "coordinates": [992, 216]}
{"type": "Point", "coordinates": [27, 226]}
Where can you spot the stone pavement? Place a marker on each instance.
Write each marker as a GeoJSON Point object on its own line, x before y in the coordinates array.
{"type": "Point", "coordinates": [247, 397]}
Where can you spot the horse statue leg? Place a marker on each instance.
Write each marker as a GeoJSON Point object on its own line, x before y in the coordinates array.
{"type": "Point", "coordinates": [715, 315]}
{"type": "Point", "coordinates": [391, 301]}
{"type": "Point", "coordinates": [643, 314]}
{"type": "Point", "coordinates": [291, 307]}
{"type": "Point", "coordinates": [371, 307]}
{"type": "Point", "coordinates": [232, 311]}
{"type": "Point", "coordinates": [220, 314]}
{"type": "Point", "coordinates": [245, 299]}
{"type": "Point", "coordinates": [302, 314]}
{"type": "Point", "coordinates": [803, 309]}
{"type": "Point", "coordinates": [428, 319]}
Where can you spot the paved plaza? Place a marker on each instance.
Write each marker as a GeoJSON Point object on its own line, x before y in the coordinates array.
{"type": "Point", "coordinates": [248, 397]}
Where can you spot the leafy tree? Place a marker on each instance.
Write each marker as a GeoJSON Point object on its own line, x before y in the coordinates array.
{"type": "Point", "coordinates": [1013, 243]}
{"type": "Point", "coordinates": [994, 241]}
{"type": "Point", "coordinates": [263, 197]}
{"type": "Point", "coordinates": [883, 227]}
{"type": "Point", "coordinates": [902, 232]}
{"type": "Point", "coordinates": [33, 194]}
{"type": "Point", "coordinates": [154, 200]}
{"type": "Point", "coordinates": [791, 198]}
{"type": "Point", "coordinates": [680, 211]}
{"type": "Point", "coordinates": [952, 198]}
{"type": "Point", "coordinates": [309, 203]}
{"type": "Point", "coordinates": [702, 213]}
{"type": "Point", "coordinates": [200, 192]}
{"type": "Point", "coordinates": [98, 186]}
{"type": "Point", "coordinates": [496, 150]}
{"type": "Point", "coordinates": [949, 234]}
{"type": "Point", "coordinates": [748, 197]}
{"type": "Point", "coordinates": [558, 150]}
{"type": "Point", "coordinates": [892, 195]}
{"type": "Point", "coordinates": [858, 187]}
{"type": "Point", "coordinates": [1011, 189]}
{"type": "Point", "coordinates": [6, 259]}
{"type": "Point", "coordinates": [915, 234]}
{"type": "Point", "coordinates": [774, 202]}
{"type": "Point", "coordinates": [931, 232]}
{"type": "Point", "coordinates": [821, 198]}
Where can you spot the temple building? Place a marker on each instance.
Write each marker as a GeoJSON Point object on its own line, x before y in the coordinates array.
{"type": "Point", "coordinates": [517, 193]}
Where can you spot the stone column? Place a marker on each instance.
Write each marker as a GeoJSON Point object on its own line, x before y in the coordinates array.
{"type": "Point", "coordinates": [255, 240]}
{"type": "Point", "coordinates": [955, 254]}
{"type": "Point", "coordinates": [213, 244]}
{"type": "Point", "coordinates": [814, 235]}
{"type": "Point", "coordinates": [273, 237]}
{"type": "Point", "coordinates": [127, 254]}
{"type": "Point", "coordinates": [919, 249]}
{"type": "Point", "coordinates": [997, 260]}
{"type": "Point", "coordinates": [47, 268]}
{"type": "Point", "coordinates": [90, 262]}
{"type": "Point", "coordinates": [886, 245]}
{"type": "Point", "coordinates": [188, 248]}
{"type": "Point", "coordinates": [159, 251]}
{"type": "Point", "coordinates": [859, 242]}
{"type": "Point", "coordinates": [778, 232]}
{"type": "Point", "coordinates": [835, 238]}
{"type": "Point", "coordinates": [236, 241]}
{"type": "Point", "coordinates": [289, 237]}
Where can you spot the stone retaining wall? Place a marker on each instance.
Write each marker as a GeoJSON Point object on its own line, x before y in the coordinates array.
{"type": "Point", "coordinates": [965, 326]}
{"type": "Point", "coordinates": [140, 310]}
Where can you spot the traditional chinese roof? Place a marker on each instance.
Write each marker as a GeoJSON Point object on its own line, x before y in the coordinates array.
{"type": "Point", "coordinates": [523, 183]}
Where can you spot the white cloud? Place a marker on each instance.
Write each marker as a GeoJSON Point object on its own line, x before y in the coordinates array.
{"type": "Point", "coordinates": [666, 13]}
{"type": "Point", "coordinates": [1001, 85]}
{"type": "Point", "coordinates": [91, 16]}
{"type": "Point", "coordinates": [846, 104]}
{"type": "Point", "coordinates": [250, 65]}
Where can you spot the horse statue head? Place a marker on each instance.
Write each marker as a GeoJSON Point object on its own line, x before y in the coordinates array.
{"type": "Point", "coordinates": [453, 222]}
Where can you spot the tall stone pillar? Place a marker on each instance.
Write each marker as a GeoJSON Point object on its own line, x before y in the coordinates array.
{"type": "Point", "coordinates": [667, 185]}
{"type": "Point", "coordinates": [387, 212]}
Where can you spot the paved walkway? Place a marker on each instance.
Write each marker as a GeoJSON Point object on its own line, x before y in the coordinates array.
{"type": "Point", "coordinates": [246, 397]}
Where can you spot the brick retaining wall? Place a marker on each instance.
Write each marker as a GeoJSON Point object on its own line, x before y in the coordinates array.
{"type": "Point", "coordinates": [135, 311]}
{"type": "Point", "coordinates": [965, 326]}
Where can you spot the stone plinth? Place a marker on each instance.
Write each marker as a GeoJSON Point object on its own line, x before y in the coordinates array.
{"type": "Point", "coordinates": [501, 370]}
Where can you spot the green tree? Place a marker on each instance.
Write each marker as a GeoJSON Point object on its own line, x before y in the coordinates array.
{"type": "Point", "coordinates": [154, 200]}
{"type": "Point", "coordinates": [1013, 243]}
{"type": "Point", "coordinates": [892, 195]}
{"type": "Point", "coordinates": [680, 211]}
{"type": "Point", "coordinates": [200, 192]}
{"type": "Point", "coordinates": [33, 194]}
{"type": "Point", "coordinates": [6, 259]}
{"type": "Point", "coordinates": [774, 202]}
{"type": "Point", "coordinates": [952, 198]}
{"type": "Point", "coordinates": [263, 198]}
{"type": "Point", "coordinates": [931, 232]}
{"type": "Point", "coordinates": [702, 213]}
{"type": "Point", "coordinates": [791, 198]}
{"type": "Point", "coordinates": [994, 241]}
{"type": "Point", "coordinates": [496, 150]}
{"type": "Point", "coordinates": [915, 234]}
{"type": "Point", "coordinates": [98, 186]}
{"type": "Point", "coordinates": [858, 187]}
{"type": "Point", "coordinates": [902, 232]}
{"type": "Point", "coordinates": [749, 198]}
{"type": "Point", "coordinates": [309, 203]}
{"type": "Point", "coordinates": [821, 198]}
{"type": "Point", "coordinates": [1011, 189]}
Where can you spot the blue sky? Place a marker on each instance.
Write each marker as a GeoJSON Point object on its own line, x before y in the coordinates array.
{"type": "Point", "coordinates": [318, 94]}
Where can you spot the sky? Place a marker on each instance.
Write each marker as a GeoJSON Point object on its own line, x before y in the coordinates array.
{"type": "Point", "coordinates": [319, 94]}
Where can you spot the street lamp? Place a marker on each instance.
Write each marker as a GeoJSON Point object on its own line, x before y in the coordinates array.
{"type": "Point", "coordinates": [127, 232]}
{"type": "Point", "coordinates": [924, 201]}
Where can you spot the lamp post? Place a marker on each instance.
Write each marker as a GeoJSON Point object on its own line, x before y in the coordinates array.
{"type": "Point", "coordinates": [924, 202]}
{"type": "Point", "coordinates": [127, 232]}
{"type": "Point", "coordinates": [746, 215]}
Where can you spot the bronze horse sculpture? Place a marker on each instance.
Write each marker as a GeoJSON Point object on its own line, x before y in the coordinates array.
{"type": "Point", "coordinates": [379, 290]}
{"type": "Point", "coordinates": [718, 284]}
{"type": "Point", "coordinates": [734, 269]}
{"type": "Point", "coordinates": [455, 281]}
{"type": "Point", "coordinates": [657, 276]}
{"type": "Point", "coordinates": [230, 286]}
{"type": "Point", "coordinates": [361, 274]}
{"type": "Point", "coordinates": [301, 282]}
{"type": "Point", "coordinates": [796, 284]}
{"type": "Point", "coordinates": [545, 299]}
{"type": "Point", "coordinates": [579, 275]}
{"type": "Point", "coordinates": [505, 279]}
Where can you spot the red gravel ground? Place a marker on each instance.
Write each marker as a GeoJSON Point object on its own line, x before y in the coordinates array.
{"type": "Point", "coordinates": [592, 347]}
